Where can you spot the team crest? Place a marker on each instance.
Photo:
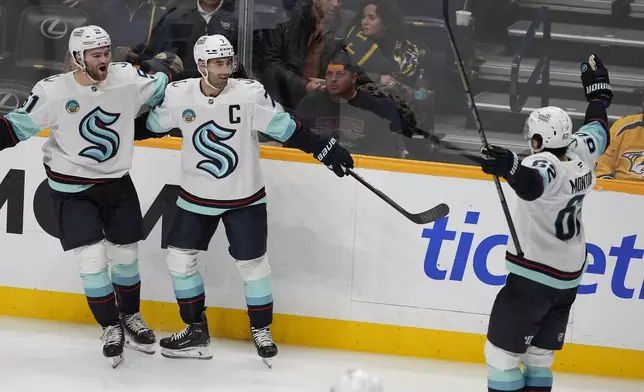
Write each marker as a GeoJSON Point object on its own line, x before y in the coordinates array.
{"type": "Point", "coordinates": [189, 115]}
{"type": "Point", "coordinates": [636, 160]}
{"type": "Point", "coordinates": [72, 107]}
{"type": "Point", "coordinates": [225, 25]}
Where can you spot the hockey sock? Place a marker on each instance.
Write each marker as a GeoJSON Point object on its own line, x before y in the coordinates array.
{"type": "Point", "coordinates": [504, 380]}
{"type": "Point", "coordinates": [537, 379]}
{"type": "Point", "coordinates": [189, 291]}
{"type": "Point", "coordinates": [261, 315]}
{"type": "Point", "coordinates": [127, 284]}
{"type": "Point", "coordinates": [259, 292]}
{"type": "Point", "coordinates": [100, 297]}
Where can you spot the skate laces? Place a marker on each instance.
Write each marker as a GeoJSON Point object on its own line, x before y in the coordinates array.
{"type": "Point", "coordinates": [182, 334]}
{"type": "Point", "coordinates": [112, 335]}
{"type": "Point", "coordinates": [136, 323]}
{"type": "Point", "coordinates": [262, 336]}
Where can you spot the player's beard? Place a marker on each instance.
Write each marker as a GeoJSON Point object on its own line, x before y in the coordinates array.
{"type": "Point", "coordinates": [98, 72]}
{"type": "Point", "coordinates": [217, 82]}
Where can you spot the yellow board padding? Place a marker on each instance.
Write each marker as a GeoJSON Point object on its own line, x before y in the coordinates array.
{"type": "Point", "coordinates": [389, 164]}
{"type": "Point", "coordinates": [325, 333]}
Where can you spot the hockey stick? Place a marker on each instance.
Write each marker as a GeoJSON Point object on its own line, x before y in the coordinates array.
{"type": "Point", "coordinates": [421, 218]}
{"type": "Point", "coordinates": [475, 113]}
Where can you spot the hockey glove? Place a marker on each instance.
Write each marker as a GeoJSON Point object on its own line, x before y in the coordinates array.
{"type": "Point", "coordinates": [594, 77]}
{"type": "Point", "coordinates": [335, 157]}
{"type": "Point", "coordinates": [500, 161]}
{"type": "Point", "coordinates": [166, 62]}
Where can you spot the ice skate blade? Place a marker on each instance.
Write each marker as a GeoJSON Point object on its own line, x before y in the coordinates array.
{"type": "Point", "coordinates": [144, 348]}
{"type": "Point", "coordinates": [268, 362]}
{"type": "Point", "coordinates": [188, 353]}
{"type": "Point", "coordinates": [115, 361]}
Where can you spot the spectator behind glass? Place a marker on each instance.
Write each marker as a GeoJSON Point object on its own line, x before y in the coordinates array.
{"type": "Point", "coordinates": [362, 123]}
{"type": "Point", "coordinates": [129, 22]}
{"type": "Point", "coordinates": [187, 20]}
{"type": "Point", "coordinates": [624, 157]}
{"type": "Point", "coordinates": [378, 46]}
{"type": "Point", "coordinates": [299, 49]}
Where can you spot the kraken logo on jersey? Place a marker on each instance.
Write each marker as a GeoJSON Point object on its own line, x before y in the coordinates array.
{"type": "Point", "coordinates": [94, 129]}
{"type": "Point", "coordinates": [222, 160]}
{"type": "Point", "coordinates": [636, 160]}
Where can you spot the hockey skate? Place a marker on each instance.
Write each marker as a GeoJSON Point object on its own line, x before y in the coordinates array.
{"type": "Point", "coordinates": [191, 343]}
{"type": "Point", "coordinates": [263, 340]}
{"type": "Point", "coordinates": [138, 336]}
{"type": "Point", "coordinates": [113, 341]}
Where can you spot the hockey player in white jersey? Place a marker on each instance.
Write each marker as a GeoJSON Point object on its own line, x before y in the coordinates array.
{"type": "Point", "coordinates": [91, 115]}
{"type": "Point", "coordinates": [530, 314]}
{"type": "Point", "coordinates": [221, 180]}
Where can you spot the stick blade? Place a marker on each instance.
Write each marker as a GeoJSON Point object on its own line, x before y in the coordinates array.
{"type": "Point", "coordinates": [431, 215]}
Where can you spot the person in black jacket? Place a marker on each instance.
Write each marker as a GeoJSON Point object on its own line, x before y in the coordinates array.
{"type": "Point", "coordinates": [362, 123]}
{"type": "Point", "coordinates": [187, 20]}
{"type": "Point", "coordinates": [298, 50]}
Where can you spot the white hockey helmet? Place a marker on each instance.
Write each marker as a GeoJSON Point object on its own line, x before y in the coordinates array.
{"type": "Point", "coordinates": [358, 381]}
{"type": "Point", "coordinates": [552, 125]}
{"type": "Point", "coordinates": [86, 38]}
{"type": "Point", "coordinates": [214, 46]}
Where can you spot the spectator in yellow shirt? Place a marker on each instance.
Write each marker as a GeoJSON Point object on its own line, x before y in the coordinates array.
{"type": "Point", "coordinates": [624, 158]}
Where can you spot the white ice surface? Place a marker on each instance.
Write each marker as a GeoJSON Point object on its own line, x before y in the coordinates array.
{"type": "Point", "coordinates": [46, 356]}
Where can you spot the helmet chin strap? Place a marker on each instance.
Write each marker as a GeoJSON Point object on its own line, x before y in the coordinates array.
{"type": "Point", "coordinates": [81, 65]}
{"type": "Point", "coordinates": [205, 77]}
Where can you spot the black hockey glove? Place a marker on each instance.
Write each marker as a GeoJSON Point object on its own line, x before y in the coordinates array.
{"type": "Point", "coordinates": [335, 157]}
{"type": "Point", "coordinates": [500, 161]}
{"type": "Point", "coordinates": [594, 77]}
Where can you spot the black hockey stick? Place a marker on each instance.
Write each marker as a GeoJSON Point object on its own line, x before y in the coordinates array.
{"type": "Point", "coordinates": [421, 218]}
{"type": "Point", "coordinates": [475, 113]}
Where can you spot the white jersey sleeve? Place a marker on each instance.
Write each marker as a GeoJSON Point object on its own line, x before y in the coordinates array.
{"type": "Point", "coordinates": [33, 115]}
{"type": "Point", "coordinates": [161, 119]}
{"type": "Point", "coordinates": [151, 88]}
{"type": "Point", "coordinates": [269, 116]}
{"type": "Point", "coordinates": [589, 143]}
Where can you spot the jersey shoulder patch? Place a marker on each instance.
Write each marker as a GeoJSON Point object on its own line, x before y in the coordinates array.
{"type": "Point", "coordinates": [53, 82]}
{"type": "Point", "coordinates": [121, 67]}
{"type": "Point", "coordinates": [53, 78]}
{"type": "Point", "coordinates": [542, 159]}
{"type": "Point", "coordinates": [249, 85]}
{"type": "Point", "coordinates": [546, 164]}
{"type": "Point", "coordinates": [122, 72]}
{"type": "Point", "coordinates": [248, 81]}
{"type": "Point", "coordinates": [180, 91]}
{"type": "Point", "coordinates": [184, 83]}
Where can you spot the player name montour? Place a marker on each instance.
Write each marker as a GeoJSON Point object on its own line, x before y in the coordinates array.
{"type": "Point", "coordinates": [581, 183]}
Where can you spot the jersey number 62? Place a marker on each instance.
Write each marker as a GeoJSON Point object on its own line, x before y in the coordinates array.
{"type": "Point", "coordinates": [568, 224]}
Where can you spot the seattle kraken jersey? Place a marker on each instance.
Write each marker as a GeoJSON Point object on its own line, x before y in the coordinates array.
{"type": "Point", "coordinates": [92, 127]}
{"type": "Point", "coordinates": [550, 229]}
{"type": "Point", "coordinates": [220, 150]}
